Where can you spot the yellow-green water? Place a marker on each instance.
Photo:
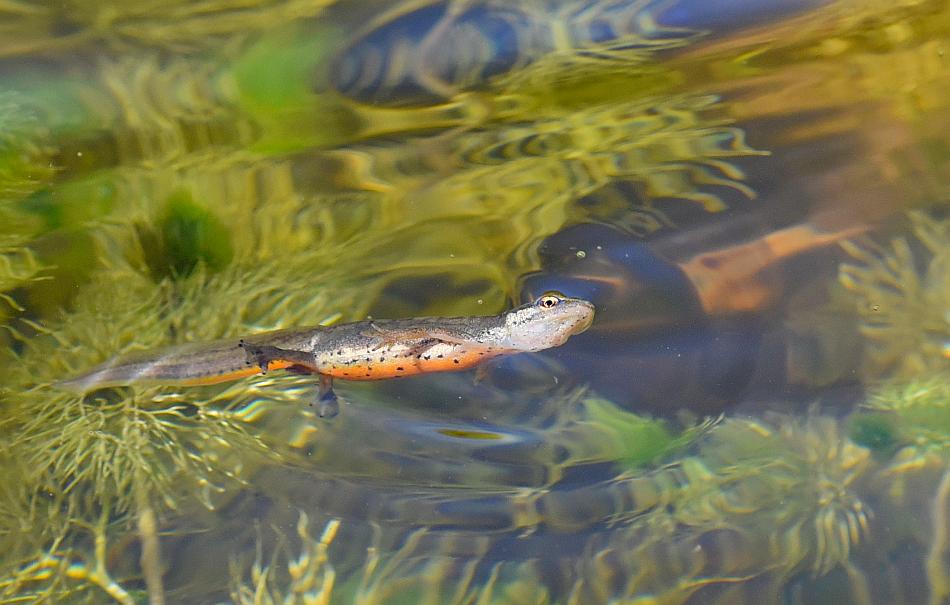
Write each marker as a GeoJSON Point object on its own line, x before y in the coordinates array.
{"type": "Point", "coordinates": [754, 197]}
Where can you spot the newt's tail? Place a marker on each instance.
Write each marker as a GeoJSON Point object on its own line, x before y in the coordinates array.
{"type": "Point", "coordinates": [185, 365]}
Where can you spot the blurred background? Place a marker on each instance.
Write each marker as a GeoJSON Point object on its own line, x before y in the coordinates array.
{"type": "Point", "coordinates": [753, 193]}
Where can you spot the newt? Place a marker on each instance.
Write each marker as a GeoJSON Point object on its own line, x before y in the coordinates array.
{"type": "Point", "coordinates": [375, 349]}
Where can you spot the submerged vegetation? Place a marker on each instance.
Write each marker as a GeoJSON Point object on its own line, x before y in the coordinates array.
{"type": "Point", "coordinates": [902, 293]}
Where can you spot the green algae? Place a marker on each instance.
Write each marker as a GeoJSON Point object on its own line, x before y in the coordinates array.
{"type": "Point", "coordinates": [633, 441]}
{"type": "Point", "coordinates": [71, 204]}
{"type": "Point", "coordinates": [918, 410]}
{"type": "Point", "coordinates": [190, 235]}
{"type": "Point", "coordinates": [876, 432]}
{"type": "Point", "coordinates": [277, 82]}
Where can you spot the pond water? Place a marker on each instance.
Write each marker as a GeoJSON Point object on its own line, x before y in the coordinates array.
{"type": "Point", "coordinates": [752, 193]}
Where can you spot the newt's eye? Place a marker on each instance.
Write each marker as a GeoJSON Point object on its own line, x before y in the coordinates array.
{"type": "Point", "coordinates": [548, 300]}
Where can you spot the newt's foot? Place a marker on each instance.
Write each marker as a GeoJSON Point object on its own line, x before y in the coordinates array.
{"type": "Point", "coordinates": [264, 355]}
{"type": "Point", "coordinates": [260, 355]}
{"type": "Point", "coordinates": [328, 405]}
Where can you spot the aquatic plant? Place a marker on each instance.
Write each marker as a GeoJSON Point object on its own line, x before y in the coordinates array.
{"type": "Point", "coordinates": [18, 264]}
{"type": "Point", "coordinates": [810, 468]}
{"type": "Point", "coordinates": [189, 235]}
{"type": "Point", "coordinates": [902, 293]}
{"type": "Point", "coordinates": [310, 577]}
{"type": "Point", "coordinates": [64, 573]}
{"type": "Point", "coordinates": [757, 504]}
{"type": "Point", "coordinates": [138, 453]}
{"type": "Point", "coordinates": [25, 165]}
{"type": "Point", "coordinates": [167, 112]}
{"type": "Point", "coordinates": [521, 178]}
{"type": "Point", "coordinates": [669, 146]}
{"type": "Point", "coordinates": [181, 25]}
{"type": "Point", "coordinates": [918, 413]}
{"type": "Point", "coordinates": [25, 150]}
{"type": "Point", "coordinates": [426, 568]}
{"type": "Point", "coordinates": [606, 432]}
{"type": "Point", "coordinates": [913, 484]}
{"type": "Point", "coordinates": [436, 568]}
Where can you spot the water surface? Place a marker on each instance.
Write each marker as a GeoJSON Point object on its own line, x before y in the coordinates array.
{"type": "Point", "coordinates": [754, 197]}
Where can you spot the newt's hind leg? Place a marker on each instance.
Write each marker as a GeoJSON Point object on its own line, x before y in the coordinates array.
{"type": "Point", "coordinates": [329, 404]}
{"type": "Point", "coordinates": [296, 362]}
{"type": "Point", "coordinates": [264, 355]}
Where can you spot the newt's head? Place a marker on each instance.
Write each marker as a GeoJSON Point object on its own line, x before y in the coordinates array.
{"type": "Point", "coordinates": [547, 322]}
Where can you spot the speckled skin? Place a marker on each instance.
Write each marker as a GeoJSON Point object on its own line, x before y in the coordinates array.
{"type": "Point", "coordinates": [363, 350]}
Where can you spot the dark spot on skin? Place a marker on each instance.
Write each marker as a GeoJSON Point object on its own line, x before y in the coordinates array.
{"type": "Point", "coordinates": [399, 368]}
{"type": "Point", "coordinates": [367, 373]}
{"type": "Point", "coordinates": [368, 360]}
{"type": "Point", "coordinates": [441, 356]}
{"type": "Point", "coordinates": [346, 373]}
{"type": "Point", "coordinates": [340, 352]}
{"type": "Point", "coordinates": [480, 354]}
{"type": "Point", "coordinates": [455, 360]}
{"type": "Point", "coordinates": [382, 359]}
{"type": "Point", "coordinates": [419, 356]}
{"type": "Point", "coordinates": [428, 357]}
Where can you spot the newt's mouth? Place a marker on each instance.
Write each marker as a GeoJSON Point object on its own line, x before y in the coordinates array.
{"type": "Point", "coordinates": [586, 322]}
{"type": "Point", "coordinates": [579, 320]}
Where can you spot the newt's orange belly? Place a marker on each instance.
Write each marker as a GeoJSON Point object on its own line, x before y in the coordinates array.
{"type": "Point", "coordinates": [381, 367]}
{"type": "Point", "coordinates": [370, 366]}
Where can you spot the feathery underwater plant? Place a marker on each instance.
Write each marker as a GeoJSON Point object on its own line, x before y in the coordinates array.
{"type": "Point", "coordinates": [919, 411]}
{"type": "Point", "coordinates": [134, 455]}
{"type": "Point", "coordinates": [758, 500]}
{"type": "Point", "coordinates": [758, 503]}
{"type": "Point", "coordinates": [551, 156]}
{"type": "Point", "coordinates": [912, 419]}
{"type": "Point", "coordinates": [182, 25]}
{"type": "Point", "coordinates": [903, 296]}
{"type": "Point", "coordinates": [25, 151]}
{"type": "Point", "coordinates": [310, 576]}
{"type": "Point", "coordinates": [802, 480]}
{"type": "Point", "coordinates": [18, 265]}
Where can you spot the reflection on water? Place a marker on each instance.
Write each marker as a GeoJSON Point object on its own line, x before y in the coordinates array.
{"type": "Point", "coordinates": [754, 197]}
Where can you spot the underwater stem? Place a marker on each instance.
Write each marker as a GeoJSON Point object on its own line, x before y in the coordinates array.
{"type": "Point", "coordinates": [151, 558]}
{"type": "Point", "coordinates": [936, 559]}
{"type": "Point", "coordinates": [50, 565]}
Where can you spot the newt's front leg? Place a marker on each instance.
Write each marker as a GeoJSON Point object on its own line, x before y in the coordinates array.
{"type": "Point", "coordinates": [264, 355]}
{"type": "Point", "coordinates": [301, 362]}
